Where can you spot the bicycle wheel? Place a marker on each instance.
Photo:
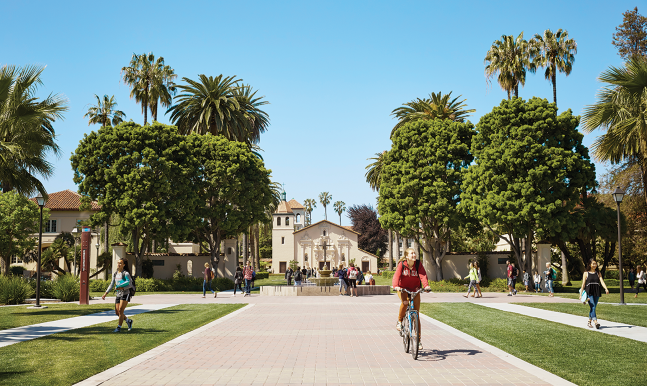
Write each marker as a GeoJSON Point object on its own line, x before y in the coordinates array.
{"type": "Point", "coordinates": [405, 333]}
{"type": "Point", "coordinates": [415, 335]}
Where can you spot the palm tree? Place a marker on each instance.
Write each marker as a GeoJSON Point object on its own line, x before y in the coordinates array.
{"type": "Point", "coordinates": [374, 171]}
{"type": "Point", "coordinates": [151, 82]}
{"type": "Point", "coordinates": [309, 204]}
{"type": "Point", "coordinates": [220, 106]}
{"type": "Point", "coordinates": [621, 109]}
{"type": "Point", "coordinates": [509, 57]}
{"type": "Point", "coordinates": [556, 52]}
{"type": "Point", "coordinates": [436, 106]}
{"type": "Point", "coordinates": [324, 199]}
{"type": "Point", "coordinates": [105, 112]}
{"type": "Point", "coordinates": [26, 129]}
{"type": "Point", "coordinates": [339, 208]}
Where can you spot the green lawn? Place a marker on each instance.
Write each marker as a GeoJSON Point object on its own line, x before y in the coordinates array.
{"type": "Point", "coordinates": [17, 316]}
{"type": "Point", "coordinates": [581, 356]}
{"type": "Point", "coordinates": [69, 357]}
{"type": "Point", "coordinates": [111, 295]}
{"type": "Point", "coordinates": [636, 315]}
{"type": "Point", "coordinates": [572, 292]}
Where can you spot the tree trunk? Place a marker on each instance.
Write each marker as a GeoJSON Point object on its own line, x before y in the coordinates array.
{"type": "Point", "coordinates": [390, 250]}
{"type": "Point", "coordinates": [554, 85]}
{"type": "Point", "coordinates": [397, 247]}
{"type": "Point", "coordinates": [145, 106]}
{"type": "Point", "coordinates": [508, 94]}
{"type": "Point", "coordinates": [258, 247]}
{"type": "Point", "coordinates": [565, 280]}
{"type": "Point", "coordinates": [516, 90]}
{"type": "Point", "coordinates": [245, 249]}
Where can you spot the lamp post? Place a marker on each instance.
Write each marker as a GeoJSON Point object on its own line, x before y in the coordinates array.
{"type": "Point", "coordinates": [97, 245]}
{"type": "Point", "coordinates": [41, 203]}
{"type": "Point", "coordinates": [617, 196]}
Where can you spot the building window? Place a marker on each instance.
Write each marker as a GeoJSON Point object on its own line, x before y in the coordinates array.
{"type": "Point", "coordinates": [410, 243]}
{"type": "Point", "coordinates": [50, 226]}
{"type": "Point", "coordinates": [324, 233]}
{"type": "Point", "coordinates": [158, 263]}
{"type": "Point", "coordinates": [282, 240]}
{"type": "Point", "coordinates": [278, 221]}
{"type": "Point", "coordinates": [298, 218]}
{"type": "Point", "coordinates": [287, 221]}
{"type": "Point", "coordinates": [229, 249]}
{"type": "Point", "coordinates": [16, 260]}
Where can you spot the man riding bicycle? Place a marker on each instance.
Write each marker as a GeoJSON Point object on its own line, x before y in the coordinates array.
{"type": "Point", "coordinates": [409, 274]}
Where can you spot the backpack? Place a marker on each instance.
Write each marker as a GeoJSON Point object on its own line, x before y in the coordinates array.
{"type": "Point", "coordinates": [352, 274]}
{"type": "Point", "coordinates": [416, 266]}
{"type": "Point", "coordinates": [133, 286]}
{"type": "Point", "coordinates": [336, 274]}
{"type": "Point", "coordinates": [297, 276]}
{"type": "Point", "coordinates": [553, 274]}
{"type": "Point", "coordinates": [515, 272]}
{"type": "Point", "coordinates": [253, 275]}
{"type": "Point", "coordinates": [343, 274]}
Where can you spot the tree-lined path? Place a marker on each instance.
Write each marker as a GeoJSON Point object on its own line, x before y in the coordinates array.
{"type": "Point", "coordinates": [322, 341]}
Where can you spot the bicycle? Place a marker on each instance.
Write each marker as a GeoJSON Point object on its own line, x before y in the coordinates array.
{"type": "Point", "coordinates": [409, 332]}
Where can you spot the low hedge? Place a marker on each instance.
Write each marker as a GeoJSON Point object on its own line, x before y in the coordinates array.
{"type": "Point", "coordinates": [262, 275]}
{"type": "Point", "coordinates": [16, 270]}
{"type": "Point", "coordinates": [161, 285]}
{"type": "Point", "coordinates": [66, 288]}
{"type": "Point", "coordinates": [14, 290]}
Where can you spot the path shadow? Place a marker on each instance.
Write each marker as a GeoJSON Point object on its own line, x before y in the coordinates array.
{"type": "Point", "coordinates": [441, 355]}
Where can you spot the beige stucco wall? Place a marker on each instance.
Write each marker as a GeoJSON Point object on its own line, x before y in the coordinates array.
{"type": "Point", "coordinates": [457, 265]}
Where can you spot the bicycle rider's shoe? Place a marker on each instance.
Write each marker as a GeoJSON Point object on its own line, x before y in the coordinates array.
{"type": "Point", "coordinates": [398, 326]}
{"type": "Point", "coordinates": [419, 345]}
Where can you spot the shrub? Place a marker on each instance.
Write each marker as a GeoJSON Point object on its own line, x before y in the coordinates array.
{"type": "Point", "coordinates": [178, 272]}
{"type": "Point", "coordinates": [147, 285]}
{"type": "Point", "coordinates": [16, 270]}
{"type": "Point", "coordinates": [497, 285]}
{"type": "Point", "coordinates": [223, 283]}
{"type": "Point", "coordinates": [450, 285]}
{"type": "Point", "coordinates": [261, 275]}
{"type": "Point", "coordinates": [46, 288]}
{"type": "Point", "coordinates": [14, 290]}
{"type": "Point", "coordinates": [388, 274]}
{"type": "Point", "coordinates": [612, 275]}
{"type": "Point", "coordinates": [66, 288]}
{"type": "Point", "coordinates": [99, 285]}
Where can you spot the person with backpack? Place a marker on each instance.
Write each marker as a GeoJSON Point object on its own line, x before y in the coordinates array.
{"type": "Point", "coordinates": [642, 281]}
{"type": "Point", "coordinates": [342, 281]}
{"type": "Point", "coordinates": [208, 276]}
{"type": "Point", "coordinates": [298, 276]}
{"type": "Point", "coordinates": [248, 274]}
{"type": "Point", "coordinates": [550, 275]}
{"type": "Point", "coordinates": [512, 278]}
{"type": "Point", "coordinates": [632, 277]}
{"type": "Point", "coordinates": [288, 275]}
{"type": "Point", "coordinates": [238, 280]}
{"type": "Point", "coordinates": [479, 278]}
{"type": "Point", "coordinates": [591, 282]}
{"type": "Point", "coordinates": [410, 275]}
{"type": "Point", "coordinates": [125, 289]}
{"type": "Point", "coordinates": [352, 279]}
{"type": "Point", "coordinates": [360, 277]}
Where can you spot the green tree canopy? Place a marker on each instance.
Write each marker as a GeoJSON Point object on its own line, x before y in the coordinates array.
{"type": "Point", "coordinates": [146, 175]}
{"type": "Point", "coordinates": [630, 37]}
{"type": "Point", "coordinates": [509, 57]}
{"type": "Point", "coordinates": [61, 248]}
{"type": "Point", "coordinates": [235, 186]}
{"type": "Point", "coordinates": [421, 184]}
{"type": "Point", "coordinates": [19, 219]}
{"type": "Point", "coordinates": [529, 172]}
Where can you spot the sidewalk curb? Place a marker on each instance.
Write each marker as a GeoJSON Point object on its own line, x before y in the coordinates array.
{"type": "Point", "coordinates": [112, 372]}
{"type": "Point", "coordinates": [519, 363]}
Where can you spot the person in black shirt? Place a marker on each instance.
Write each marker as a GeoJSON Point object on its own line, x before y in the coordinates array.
{"type": "Point", "coordinates": [591, 282]}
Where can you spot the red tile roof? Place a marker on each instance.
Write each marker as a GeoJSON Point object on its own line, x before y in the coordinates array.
{"type": "Point", "coordinates": [66, 200]}
{"type": "Point", "coordinates": [294, 204]}
{"type": "Point", "coordinates": [284, 207]}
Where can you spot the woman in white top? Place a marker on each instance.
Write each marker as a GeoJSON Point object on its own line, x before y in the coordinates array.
{"type": "Point", "coordinates": [537, 280]}
{"type": "Point", "coordinates": [368, 277]}
{"type": "Point", "coordinates": [642, 281]}
{"type": "Point", "coordinates": [122, 281]}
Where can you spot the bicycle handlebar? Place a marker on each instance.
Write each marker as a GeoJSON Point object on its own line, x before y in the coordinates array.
{"type": "Point", "coordinates": [413, 294]}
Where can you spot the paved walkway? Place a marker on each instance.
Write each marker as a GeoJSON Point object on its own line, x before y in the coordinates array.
{"type": "Point", "coordinates": [618, 329]}
{"type": "Point", "coordinates": [21, 334]}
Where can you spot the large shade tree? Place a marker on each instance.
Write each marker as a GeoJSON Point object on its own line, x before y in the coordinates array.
{"type": "Point", "coordinates": [144, 174]}
{"type": "Point", "coordinates": [151, 82]}
{"type": "Point", "coordinates": [555, 51]}
{"type": "Point", "coordinates": [508, 59]}
{"type": "Point", "coordinates": [421, 184]}
{"type": "Point", "coordinates": [529, 172]}
{"type": "Point", "coordinates": [105, 112]}
{"type": "Point", "coordinates": [372, 237]}
{"type": "Point", "coordinates": [26, 129]}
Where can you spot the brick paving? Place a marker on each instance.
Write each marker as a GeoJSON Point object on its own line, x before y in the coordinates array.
{"type": "Point", "coordinates": [321, 341]}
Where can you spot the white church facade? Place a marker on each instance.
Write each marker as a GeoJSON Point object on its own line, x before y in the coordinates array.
{"type": "Point", "coordinates": [316, 245]}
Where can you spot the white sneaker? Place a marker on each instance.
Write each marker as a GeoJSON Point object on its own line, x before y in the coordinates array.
{"type": "Point", "coordinates": [398, 326]}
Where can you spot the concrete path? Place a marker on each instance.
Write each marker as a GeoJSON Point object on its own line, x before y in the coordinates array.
{"type": "Point", "coordinates": [618, 329]}
{"type": "Point", "coordinates": [321, 341]}
{"type": "Point", "coordinates": [21, 334]}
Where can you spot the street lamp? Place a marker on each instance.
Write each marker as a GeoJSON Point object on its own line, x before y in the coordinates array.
{"type": "Point", "coordinates": [97, 245]}
{"type": "Point", "coordinates": [618, 195]}
{"type": "Point", "coordinates": [41, 203]}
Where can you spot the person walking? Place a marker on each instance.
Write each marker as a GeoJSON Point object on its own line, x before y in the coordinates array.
{"type": "Point", "coordinates": [304, 274]}
{"type": "Point", "coordinates": [206, 284]}
{"type": "Point", "coordinates": [642, 281]}
{"type": "Point", "coordinates": [526, 279]}
{"type": "Point", "coordinates": [473, 276]}
{"type": "Point", "coordinates": [591, 282]}
{"type": "Point", "coordinates": [343, 286]}
{"type": "Point", "coordinates": [122, 281]}
{"type": "Point", "coordinates": [288, 275]}
{"type": "Point", "coordinates": [478, 280]}
{"type": "Point", "coordinates": [512, 278]}
{"type": "Point", "coordinates": [352, 279]}
{"type": "Point", "coordinates": [297, 277]}
{"type": "Point", "coordinates": [248, 272]}
{"type": "Point", "coordinates": [537, 280]}
{"type": "Point", "coordinates": [550, 275]}
{"type": "Point", "coordinates": [238, 280]}
{"type": "Point", "coordinates": [632, 277]}
{"type": "Point", "coordinates": [410, 274]}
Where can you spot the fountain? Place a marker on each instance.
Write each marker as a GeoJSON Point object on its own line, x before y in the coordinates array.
{"type": "Point", "coordinates": [324, 279]}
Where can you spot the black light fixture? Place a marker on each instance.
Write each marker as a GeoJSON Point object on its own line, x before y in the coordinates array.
{"type": "Point", "coordinates": [618, 195]}
{"type": "Point", "coordinates": [41, 203]}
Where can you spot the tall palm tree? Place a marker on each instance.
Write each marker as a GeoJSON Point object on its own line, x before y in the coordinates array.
{"type": "Point", "coordinates": [26, 129]}
{"type": "Point", "coordinates": [339, 208]}
{"type": "Point", "coordinates": [374, 171]}
{"type": "Point", "coordinates": [621, 110]}
{"type": "Point", "coordinates": [220, 106]}
{"type": "Point", "coordinates": [556, 52]}
{"type": "Point", "coordinates": [509, 57]}
{"type": "Point", "coordinates": [309, 204]}
{"type": "Point", "coordinates": [151, 82]}
{"type": "Point", "coordinates": [436, 106]}
{"type": "Point", "coordinates": [324, 199]}
{"type": "Point", "coordinates": [105, 112]}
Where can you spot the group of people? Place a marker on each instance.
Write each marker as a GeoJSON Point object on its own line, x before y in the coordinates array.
{"type": "Point", "coordinates": [244, 275]}
{"type": "Point", "coordinates": [642, 279]}
{"type": "Point", "coordinates": [299, 275]}
{"type": "Point", "coordinates": [549, 276]}
{"type": "Point", "coordinates": [349, 278]}
{"type": "Point", "coordinates": [475, 280]}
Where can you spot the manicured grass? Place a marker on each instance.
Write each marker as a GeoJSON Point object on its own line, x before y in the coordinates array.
{"type": "Point", "coordinates": [636, 315]}
{"type": "Point", "coordinates": [581, 356]}
{"type": "Point", "coordinates": [69, 357]}
{"type": "Point", "coordinates": [572, 292]}
{"type": "Point", "coordinates": [111, 295]}
{"type": "Point", "coordinates": [17, 316]}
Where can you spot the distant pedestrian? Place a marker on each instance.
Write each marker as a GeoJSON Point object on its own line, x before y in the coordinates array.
{"type": "Point", "coordinates": [122, 280]}
{"type": "Point", "coordinates": [537, 280]}
{"type": "Point", "coordinates": [512, 278]}
{"type": "Point", "coordinates": [473, 276]}
{"type": "Point", "coordinates": [478, 280]}
{"type": "Point", "coordinates": [351, 273]}
{"type": "Point", "coordinates": [248, 273]}
{"type": "Point", "coordinates": [298, 276]}
{"type": "Point", "coordinates": [526, 279]}
{"type": "Point", "coordinates": [288, 275]}
{"type": "Point", "coordinates": [360, 277]}
{"type": "Point", "coordinates": [253, 276]}
{"type": "Point", "coordinates": [343, 286]}
{"type": "Point", "coordinates": [632, 277]}
{"type": "Point", "coordinates": [238, 280]}
{"type": "Point", "coordinates": [549, 276]}
{"type": "Point", "coordinates": [206, 284]}
{"type": "Point", "coordinates": [591, 282]}
{"type": "Point", "coordinates": [642, 280]}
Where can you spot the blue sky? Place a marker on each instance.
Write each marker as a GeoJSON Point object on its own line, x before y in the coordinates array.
{"type": "Point", "coordinates": [332, 71]}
